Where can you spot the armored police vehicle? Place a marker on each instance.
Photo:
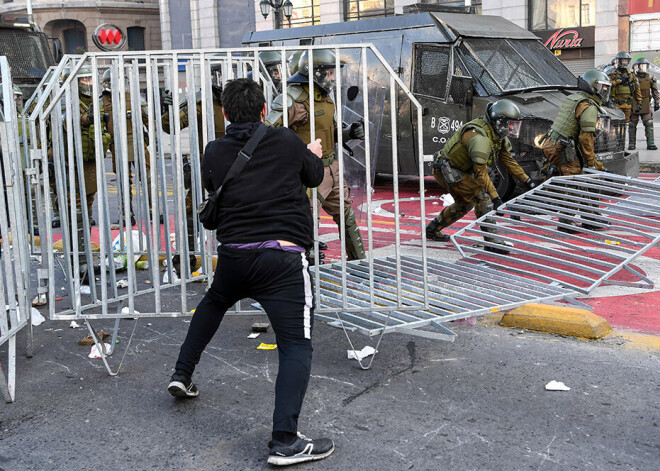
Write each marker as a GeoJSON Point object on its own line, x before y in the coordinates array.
{"type": "Point", "coordinates": [455, 64]}
{"type": "Point", "coordinates": [27, 50]}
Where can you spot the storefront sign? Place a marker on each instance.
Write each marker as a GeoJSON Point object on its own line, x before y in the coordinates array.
{"type": "Point", "coordinates": [567, 38]}
{"type": "Point", "coordinates": [638, 7]}
{"type": "Point", "coordinates": [108, 37]}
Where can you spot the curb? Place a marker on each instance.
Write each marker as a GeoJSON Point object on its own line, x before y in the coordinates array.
{"type": "Point", "coordinates": [558, 320]}
{"type": "Point", "coordinates": [649, 167]}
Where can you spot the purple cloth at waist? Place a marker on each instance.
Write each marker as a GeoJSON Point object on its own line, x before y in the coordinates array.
{"type": "Point", "coordinates": [268, 244]}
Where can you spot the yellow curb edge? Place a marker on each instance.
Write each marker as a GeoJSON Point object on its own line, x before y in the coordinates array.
{"type": "Point", "coordinates": [559, 320]}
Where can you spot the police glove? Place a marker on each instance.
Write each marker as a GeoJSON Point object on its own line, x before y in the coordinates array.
{"type": "Point", "coordinates": [625, 80]}
{"type": "Point", "coordinates": [106, 118]}
{"type": "Point", "coordinates": [638, 109]}
{"type": "Point", "coordinates": [90, 114]}
{"type": "Point", "coordinates": [656, 106]}
{"type": "Point", "coordinates": [187, 174]}
{"type": "Point", "coordinates": [356, 130]}
{"type": "Point", "coordinates": [497, 202]}
{"type": "Point", "coordinates": [532, 183]}
{"type": "Point", "coordinates": [167, 98]}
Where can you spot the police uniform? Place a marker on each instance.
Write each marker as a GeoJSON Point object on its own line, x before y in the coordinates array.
{"type": "Point", "coordinates": [106, 99]}
{"type": "Point", "coordinates": [329, 193]}
{"type": "Point", "coordinates": [219, 131]}
{"type": "Point", "coordinates": [577, 121]}
{"type": "Point", "coordinates": [625, 90]}
{"type": "Point", "coordinates": [648, 86]}
{"type": "Point", "coordinates": [463, 171]}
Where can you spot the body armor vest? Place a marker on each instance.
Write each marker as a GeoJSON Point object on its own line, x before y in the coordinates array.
{"type": "Point", "coordinates": [457, 153]}
{"type": "Point", "coordinates": [622, 93]}
{"type": "Point", "coordinates": [87, 133]}
{"type": "Point", "coordinates": [324, 120]}
{"type": "Point", "coordinates": [645, 81]}
{"type": "Point", "coordinates": [566, 124]}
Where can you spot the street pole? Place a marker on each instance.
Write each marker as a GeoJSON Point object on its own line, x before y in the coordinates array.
{"type": "Point", "coordinates": [29, 8]}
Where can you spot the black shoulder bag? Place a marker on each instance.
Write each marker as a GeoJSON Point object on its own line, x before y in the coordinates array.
{"type": "Point", "coordinates": [209, 212]}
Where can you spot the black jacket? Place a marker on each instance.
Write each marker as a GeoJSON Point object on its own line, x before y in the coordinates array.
{"type": "Point", "coordinates": [267, 200]}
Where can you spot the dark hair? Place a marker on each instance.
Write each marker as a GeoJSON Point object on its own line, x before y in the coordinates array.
{"type": "Point", "coordinates": [243, 100]}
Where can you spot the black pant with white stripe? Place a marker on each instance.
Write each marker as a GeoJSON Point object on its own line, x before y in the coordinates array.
{"type": "Point", "coordinates": [280, 282]}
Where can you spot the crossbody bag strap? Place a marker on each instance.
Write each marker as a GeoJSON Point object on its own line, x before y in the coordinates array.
{"type": "Point", "coordinates": [244, 156]}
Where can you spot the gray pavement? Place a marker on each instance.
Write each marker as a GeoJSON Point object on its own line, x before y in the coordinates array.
{"type": "Point", "coordinates": [478, 403]}
{"type": "Point", "coordinates": [649, 160]}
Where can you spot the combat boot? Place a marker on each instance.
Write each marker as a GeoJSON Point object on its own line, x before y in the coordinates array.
{"type": "Point", "coordinates": [650, 138]}
{"type": "Point", "coordinates": [354, 245]}
{"type": "Point", "coordinates": [632, 136]}
{"type": "Point", "coordinates": [434, 231]}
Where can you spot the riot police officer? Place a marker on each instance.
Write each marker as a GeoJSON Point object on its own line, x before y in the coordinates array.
{"type": "Point", "coordinates": [272, 60]}
{"type": "Point", "coordinates": [106, 99]}
{"type": "Point", "coordinates": [625, 87]}
{"type": "Point", "coordinates": [569, 145]}
{"type": "Point", "coordinates": [648, 86]}
{"type": "Point", "coordinates": [219, 131]}
{"type": "Point", "coordinates": [87, 138]}
{"type": "Point", "coordinates": [329, 192]}
{"type": "Point", "coordinates": [461, 167]}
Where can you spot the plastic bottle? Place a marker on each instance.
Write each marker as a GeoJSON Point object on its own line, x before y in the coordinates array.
{"type": "Point", "coordinates": [142, 264]}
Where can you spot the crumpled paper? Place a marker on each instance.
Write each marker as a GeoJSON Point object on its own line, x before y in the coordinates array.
{"type": "Point", "coordinates": [556, 386]}
{"type": "Point", "coordinates": [94, 353]}
{"type": "Point", "coordinates": [361, 354]}
{"type": "Point", "coordinates": [37, 318]}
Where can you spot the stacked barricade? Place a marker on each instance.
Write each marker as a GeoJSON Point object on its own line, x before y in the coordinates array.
{"type": "Point", "coordinates": [146, 217]}
{"type": "Point", "coordinates": [14, 249]}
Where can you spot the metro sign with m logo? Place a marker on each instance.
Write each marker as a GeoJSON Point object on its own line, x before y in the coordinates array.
{"type": "Point", "coordinates": [108, 37]}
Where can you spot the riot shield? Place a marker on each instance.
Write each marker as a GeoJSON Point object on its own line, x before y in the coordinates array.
{"type": "Point", "coordinates": [354, 150]}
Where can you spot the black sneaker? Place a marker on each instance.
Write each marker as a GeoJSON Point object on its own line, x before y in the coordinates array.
{"type": "Point", "coordinates": [303, 449]}
{"type": "Point", "coordinates": [323, 245]}
{"type": "Point", "coordinates": [182, 386]}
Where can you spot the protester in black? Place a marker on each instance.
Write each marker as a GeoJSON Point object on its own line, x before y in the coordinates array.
{"type": "Point", "coordinates": [265, 230]}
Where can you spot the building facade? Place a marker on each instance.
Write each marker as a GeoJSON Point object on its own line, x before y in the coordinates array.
{"type": "Point", "coordinates": [74, 22]}
{"type": "Point", "coordinates": [587, 33]}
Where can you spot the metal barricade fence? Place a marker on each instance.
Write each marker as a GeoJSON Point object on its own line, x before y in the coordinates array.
{"type": "Point", "coordinates": [14, 250]}
{"type": "Point", "coordinates": [71, 120]}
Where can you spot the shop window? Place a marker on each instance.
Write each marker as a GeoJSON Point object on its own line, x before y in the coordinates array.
{"type": "Point", "coordinates": [360, 9]}
{"type": "Point", "coordinates": [431, 69]}
{"type": "Point", "coordinates": [304, 13]}
{"type": "Point", "coordinates": [135, 38]}
{"type": "Point", "coordinates": [555, 14]}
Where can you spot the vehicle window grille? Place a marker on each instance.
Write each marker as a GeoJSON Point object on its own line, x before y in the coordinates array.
{"type": "Point", "coordinates": [505, 64]}
{"type": "Point", "coordinates": [479, 72]}
{"type": "Point", "coordinates": [25, 52]}
{"type": "Point", "coordinates": [431, 69]}
{"type": "Point", "coordinates": [614, 141]}
{"type": "Point", "coordinates": [459, 89]}
{"type": "Point", "coordinates": [552, 70]}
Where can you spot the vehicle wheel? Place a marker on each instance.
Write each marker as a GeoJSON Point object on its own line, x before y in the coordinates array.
{"type": "Point", "coordinates": [502, 180]}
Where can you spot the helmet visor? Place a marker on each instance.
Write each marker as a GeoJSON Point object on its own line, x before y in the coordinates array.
{"type": "Point", "coordinates": [513, 128]}
{"type": "Point", "coordinates": [325, 78]}
{"type": "Point", "coordinates": [603, 89]}
{"type": "Point", "coordinates": [643, 67]}
{"type": "Point", "coordinates": [623, 62]}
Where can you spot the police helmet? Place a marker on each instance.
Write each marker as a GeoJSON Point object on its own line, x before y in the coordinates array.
{"type": "Point", "coordinates": [623, 60]}
{"type": "Point", "coordinates": [324, 62]}
{"type": "Point", "coordinates": [641, 65]}
{"type": "Point", "coordinates": [107, 81]}
{"type": "Point", "coordinates": [596, 83]}
{"type": "Point", "coordinates": [272, 60]}
{"type": "Point", "coordinates": [294, 58]}
{"type": "Point", "coordinates": [609, 69]}
{"type": "Point", "coordinates": [84, 83]}
{"type": "Point", "coordinates": [504, 116]}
